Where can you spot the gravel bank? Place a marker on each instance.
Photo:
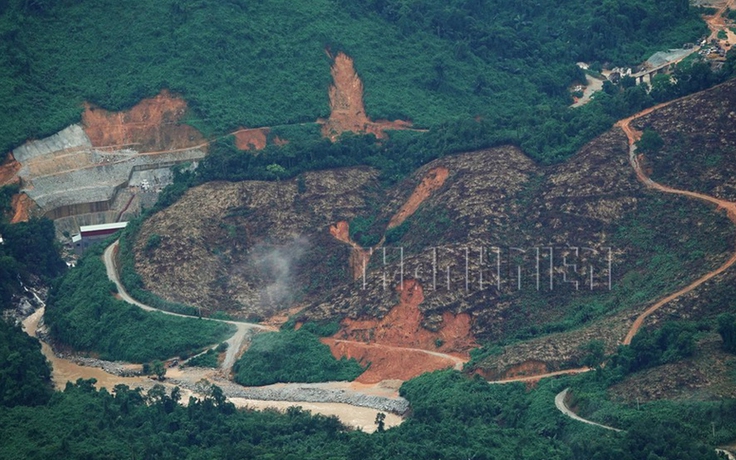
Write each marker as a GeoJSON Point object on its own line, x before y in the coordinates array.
{"type": "Point", "coordinates": [296, 392]}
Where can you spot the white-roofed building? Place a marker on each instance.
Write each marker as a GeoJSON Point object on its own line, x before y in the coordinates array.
{"type": "Point", "coordinates": [91, 234]}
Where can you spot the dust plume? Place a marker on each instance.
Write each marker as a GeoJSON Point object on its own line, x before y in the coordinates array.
{"type": "Point", "coordinates": [275, 265]}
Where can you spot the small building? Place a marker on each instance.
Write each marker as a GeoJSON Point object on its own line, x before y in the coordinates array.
{"type": "Point", "coordinates": [90, 234]}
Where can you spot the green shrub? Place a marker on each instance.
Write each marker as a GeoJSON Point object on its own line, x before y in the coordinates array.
{"type": "Point", "coordinates": [25, 375]}
{"type": "Point", "coordinates": [650, 142]}
{"type": "Point", "coordinates": [727, 329]}
{"type": "Point", "coordinates": [291, 356]}
{"type": "Point", "coordinates": [153, 242]}
{"type": "Point", "coordinates": [321, 329]}
{"type": "Point", "coordinates": [82, 313]}
{"type": "Point", "coordinates": [207, 359]}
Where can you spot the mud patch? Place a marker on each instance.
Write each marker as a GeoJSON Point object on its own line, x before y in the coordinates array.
{"type": "Point", "coordinates": [359, 257]}
{"type": "Point", "coordinates": [525, 369]}
{"type": "Point", "coordinates": [356, 417]}
{"type": "Point", "coordinates": [152, 125]}
{"type": "Point", "coordinates": [9, 170]}
{"type": "Point", "coordinates": [431, 183]}
{"type": "Point", "coordinates": [23, 207]}
{"type": "Point", "coordinates": [347, 107]}
{"type": "Point", "coordinates": [251, 139]}
{"type": "Point", "coordinates": [386, 362]}
{"type": "Point", "coordinates": [402, 326]}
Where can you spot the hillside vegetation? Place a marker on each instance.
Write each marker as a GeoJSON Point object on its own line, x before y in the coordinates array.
{"type": "Point", "coordinates": [83, 313]}
{"type": "Point", "coordinates": [266, 63]}
{"type": "Point", "coordinates": [291, 356]}
{"type": "Point", "coordinates": [25, 375]}
{"type": "Point", "coordinates": [17, 262]}
{"type": "Point", "coordinates": [453, 417]}
{"type": "Point", "coordinates": [591, 201]}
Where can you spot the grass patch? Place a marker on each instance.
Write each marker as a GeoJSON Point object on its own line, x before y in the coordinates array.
{"type": "Point", "coordinates": [291, 356]}
{"type": "Point", "coordinates": [83, 313]}
{"type": "Point", "coordinates": [208, 359]}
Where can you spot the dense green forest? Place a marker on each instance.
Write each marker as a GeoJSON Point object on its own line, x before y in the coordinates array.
{"type": "Point", "coordinates": [454, 417]}
{"type": "Point", "coordinates": [18, 264]}
{"type": "Point", "coordinates": [25, 375]}
{"type": "Point", "coordinates": [82, 312]}
{"type": "Point", "coordinates": [265, 63]}
{"type": "Point", "coordinates": [291, 356]}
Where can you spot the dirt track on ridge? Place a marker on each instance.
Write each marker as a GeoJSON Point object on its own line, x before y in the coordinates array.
{"type": "Point", "coordinates": [728, 206]}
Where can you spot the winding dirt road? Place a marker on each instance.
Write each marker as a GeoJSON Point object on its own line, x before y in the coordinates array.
{"type": "Point", "coordinates": [730, 208]}
{"type": "Point", "coordinates": [235, 343]}
{"type": "Point", "coordinates": [561, 404]}
{"type": "Point", "coordinates": [538, 377]}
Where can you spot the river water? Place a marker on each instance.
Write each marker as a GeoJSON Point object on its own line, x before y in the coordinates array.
{"type": "Point", "coordinates": [64, 370]}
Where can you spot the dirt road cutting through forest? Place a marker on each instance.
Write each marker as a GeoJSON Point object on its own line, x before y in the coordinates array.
{"type": "Point", "coordinates": [235, 343]}
{"type": "Point", "coordinates": [561, 404]}
{"type": "Point", "coordinates": [717, 23]}
{"type": "Point", "coordinates": [730, 208]}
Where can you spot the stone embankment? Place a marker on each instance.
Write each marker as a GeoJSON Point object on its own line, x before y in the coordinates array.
{"type": "Point", "coordinates": [303, 392]}
{"type": "Point", "coordinates": [111, 367]}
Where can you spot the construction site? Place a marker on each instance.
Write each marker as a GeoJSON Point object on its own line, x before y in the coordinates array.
{"type": "Point", "coordinates": [105, 169]}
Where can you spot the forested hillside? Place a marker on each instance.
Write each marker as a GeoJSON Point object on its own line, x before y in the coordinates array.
{"type": "Point", "coordinates": [266, 63]}
{"type": "Point", "coordinates": [254, 234]}
{"type": "Point", "coordinates": [455, 417]}
{"type": "Point", "coordinates": [83, 313]}
{"type": "Point", "coordinates": [18, 264]}
{"type": "Point", "coordinates": [25, 375]}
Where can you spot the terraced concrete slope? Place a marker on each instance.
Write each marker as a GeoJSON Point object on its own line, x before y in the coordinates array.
{"type": "Point", "coordinates": [82, 168]}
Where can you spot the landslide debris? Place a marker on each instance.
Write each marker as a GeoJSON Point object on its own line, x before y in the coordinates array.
{"type": "Point", "coordinates": [8, 170]}
{"type": "Point", "coordinates": [347, 111]}
{"type": "Point", "coordinates": [426, 283]}
{"type": "Point", "coordinates": [254, 248]}
{"type": "Point", "coordinates": [251, 139]}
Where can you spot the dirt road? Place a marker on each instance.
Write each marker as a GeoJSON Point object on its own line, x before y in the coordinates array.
{"type": "Point", "coordinates": [717, 23]}
{"type": "Point", "coordinates": [538, 377]}
{"type": "Point", "coordinates": [593, 85]}
{"type": "Point", "coordinates": [730, 208]}
{"type": "Point", "coordinates": [562, 406]}
{"type": "Point", "coordinates": [235, 343]}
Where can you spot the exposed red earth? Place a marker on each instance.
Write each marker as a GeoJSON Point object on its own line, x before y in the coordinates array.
{"type": "Point", "coordinates": [151, 125]}
{"type": "Point", "coordinates": [346, 104]}
{"type": "Point", "coordinates": [431, 183]}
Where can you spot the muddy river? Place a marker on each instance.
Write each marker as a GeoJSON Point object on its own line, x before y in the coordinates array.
{"type": "Point", "coordinates": [65, 371]}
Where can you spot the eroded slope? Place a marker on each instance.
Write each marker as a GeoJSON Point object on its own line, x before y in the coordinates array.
{"type": "Point", "coordinates": [253, 247]}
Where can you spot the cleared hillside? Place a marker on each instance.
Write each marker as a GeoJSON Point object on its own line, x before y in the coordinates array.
{"type": "Point", "coordinates": [252, 248]}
